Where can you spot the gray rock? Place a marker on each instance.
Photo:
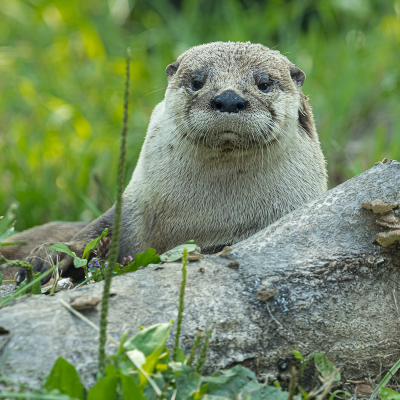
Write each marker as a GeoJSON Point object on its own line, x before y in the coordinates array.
{"type": "Point", "coordinates": [338, 292]}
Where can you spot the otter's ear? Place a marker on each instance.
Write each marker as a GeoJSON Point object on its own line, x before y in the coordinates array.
{"type": "Point", "coordinates": [171, 69]}
{"type": "Point", "coordinates": [298, 76]}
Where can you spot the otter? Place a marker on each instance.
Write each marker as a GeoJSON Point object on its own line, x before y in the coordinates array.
{"type": "Point", "coordinates": [231, 149]}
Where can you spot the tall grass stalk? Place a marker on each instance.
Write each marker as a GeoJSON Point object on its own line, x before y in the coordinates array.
{"type": "Point", "coordinates": [115, 238]}
{"type": "Point", "coordinates": [203, 353]}
{"type": "Point", "coordinates": [181, 302]}
{"type": "Point", "coordinates": [20, 264]}
{"type": "Point", "coordinates": [196, 345]}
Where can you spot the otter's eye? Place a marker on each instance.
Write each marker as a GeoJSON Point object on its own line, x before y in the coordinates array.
{"type": "Point", "coordinates": [264, 87]}
{"type": "Point", "coordinates": [196, 85]}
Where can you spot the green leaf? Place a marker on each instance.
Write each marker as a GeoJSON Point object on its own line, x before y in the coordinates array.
{"type": "Point", "coordinates": [323, 365]}
{"type": "Point", "coordinates": [141, 260]}
{"type": "Point", "coordinates": [151, 342]}
{"type": "Point", "coordinates": [386, 379]}
{"type": "Point", "coordinates": [129, 389]}
{"type": "Point", "coordinates": [243, 381]}
{"type": "Point", "coordinates": [389, 394]}
{"type": "Point", "coordinates": [105, 389]}
{"type": "Point", "coordinates": [93, 244]}
{"type": "Point", "coordinates": [187, 385]}
{"type": "Point", "coordinates": [110, 370]}
{"type": "Point", "coordinates": [62, 248]}
{"type": "Point", "coordinates": [64, 377]}
{"type": "Point", "coordinates": [7, 222]}
{"type": "Point", "coordinates": [179, 355]}
{"type": "Point", "coordinates": [176, 253]}
{"type": "Point", "coordinates": [37, 286]}
{"type": "Point", "coordinates": [78, 262]}
{"type": "Point", "coordinates": [149, 339]}
{"type": "Point", "coordinates": [298, 355]}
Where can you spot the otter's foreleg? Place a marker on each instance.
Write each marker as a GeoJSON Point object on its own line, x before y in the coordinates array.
{"type": "Point", "coordinates": [42, 258]}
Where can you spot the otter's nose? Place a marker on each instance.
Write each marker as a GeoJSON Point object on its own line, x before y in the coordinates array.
{"type": "Point", "coordinates": [229, 102]}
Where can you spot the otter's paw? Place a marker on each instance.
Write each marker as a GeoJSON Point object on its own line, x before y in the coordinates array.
{"type": "Point", "coordinates": [42, 259]}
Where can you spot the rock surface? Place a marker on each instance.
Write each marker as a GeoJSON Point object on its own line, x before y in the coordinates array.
{"type": "Point", "coordinates": [338, 292]}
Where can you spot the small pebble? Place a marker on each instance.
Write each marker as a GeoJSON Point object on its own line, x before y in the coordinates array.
{"type": "Point", "coordinates": [225, 251]}
{"type": "Point", "coordinates": [233, 265]}
{"type": "Point", "coordinates": [201, 270]}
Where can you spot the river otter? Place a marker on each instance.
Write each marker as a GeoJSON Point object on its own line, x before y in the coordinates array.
{"type": "Point", "coordinates": [231, 149]}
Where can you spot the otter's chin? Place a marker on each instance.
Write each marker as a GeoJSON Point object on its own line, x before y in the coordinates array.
{"type": "Point", "coordinates": [228, 141]}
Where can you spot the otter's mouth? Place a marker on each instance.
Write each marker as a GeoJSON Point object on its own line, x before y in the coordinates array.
{"type": "Point", "coordinates": [228, 141]}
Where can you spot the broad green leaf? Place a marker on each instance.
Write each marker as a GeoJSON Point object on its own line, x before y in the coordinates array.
{"type": "Point", "coordinates": [180, 355]}
{"type": "Point", "coordinates": [242, 381]}
{"type": "Point", "coordinates": [137, 357]}
{"type": "Point", "coordinates": [187, 385]}
{"type": "Point", "coordinates": [389, 394]}
{"type": "Point", "coordinates": [139, 361]}
{"type": "Point", "coordinates": [176, 253]}
{"type": "Point", "coordinates": [93, 244]}
{"type": "Point", "coordinates": [149, 339]}
{"type": "Point", "coordinates": [323, 365]}
{"type": "Point", "coordinates": [62, 248]}
{"type": "Point", "coordinates": [149, 392]}
{"type": "Point", "coordinates": [110, 370]}
{"type": "Point", "coordinates": [64, 377]}
{"type": "Point", "coordinates": [151, 342]}
{"type": "Point", "coordinates": [78, 262]}
{"type": "Point", "coordinates": [141, 260]}
{"type": "Point", "coordinates": [215, 379]}
{"type": "Point", "coordinates": [37, 288]}
{"type": "Point", "coordinates": [129, 389]}
{"type": "Point", "coordinates": [105, 389]}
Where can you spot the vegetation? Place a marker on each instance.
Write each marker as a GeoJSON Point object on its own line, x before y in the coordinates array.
{"type": "Point", "coordinates": [62, 67]}
{"type": "Point", "coordinates": [60, 109]}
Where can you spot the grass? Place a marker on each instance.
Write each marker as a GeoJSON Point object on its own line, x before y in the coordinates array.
{"type": "Point", "coordinates": [62, 69]}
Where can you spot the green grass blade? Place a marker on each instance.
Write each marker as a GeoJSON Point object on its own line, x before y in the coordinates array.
{"type": "Point", "coordinates": [386, 379]}
{"type": "Point", "coordinates": [29, 285]}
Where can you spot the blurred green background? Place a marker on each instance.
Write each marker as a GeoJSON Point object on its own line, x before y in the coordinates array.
{"type": "Point", "coordinates": [62, 76]}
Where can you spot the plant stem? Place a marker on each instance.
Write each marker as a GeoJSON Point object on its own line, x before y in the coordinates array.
{"type": "Point", "coordinates": [20, 264]}
{"type": "Point", "coordinates": [116, 227]}
{"type": "Point", "coordinates": [196, 345]}
{"type": "Point", "coordinates": [203, 352]}
{"type": "Point", "coordinates": [181, 302]}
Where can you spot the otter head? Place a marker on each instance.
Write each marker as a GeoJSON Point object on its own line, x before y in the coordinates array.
{"type": "Point", "coordinates": [231, 96]}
